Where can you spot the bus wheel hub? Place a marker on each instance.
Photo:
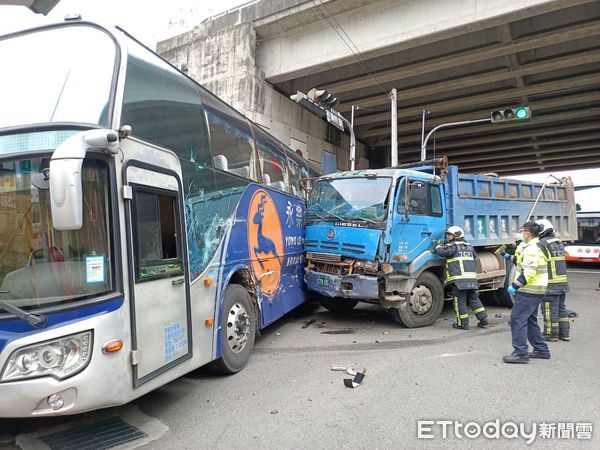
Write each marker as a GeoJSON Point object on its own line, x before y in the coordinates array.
{"type": "Point", "coordinates": [421, 300]}
{"type": "Point", "coordinates": [238, 327]}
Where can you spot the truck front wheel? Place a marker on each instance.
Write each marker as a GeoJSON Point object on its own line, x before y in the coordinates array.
{"type": "Point", "coordinates": [424, 304]}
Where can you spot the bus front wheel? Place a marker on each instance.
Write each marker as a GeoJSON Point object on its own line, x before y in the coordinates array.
{"type": "Point", "coordinates": [238, 330]}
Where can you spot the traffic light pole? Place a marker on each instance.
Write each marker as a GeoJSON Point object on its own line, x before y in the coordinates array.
{"type": "Point", "coordinates": [352, 139]}
{"type": "Point", "coordinates": [394, 106]}
{"type": "Point", "coordinates": [447, 125]}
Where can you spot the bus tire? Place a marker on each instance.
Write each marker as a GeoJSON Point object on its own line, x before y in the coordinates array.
{"type": "Point", "coordinates": [238, 330]}
{"type": "Point", "coordinates": [501, 296]}
{"type": "Point", "coordinates": [424, 305]}
{"type": "Point", "coordinates": [337, 305]}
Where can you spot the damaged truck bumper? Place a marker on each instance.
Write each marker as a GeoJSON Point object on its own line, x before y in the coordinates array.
{"type": "Point", "coordinates": [345, 286]}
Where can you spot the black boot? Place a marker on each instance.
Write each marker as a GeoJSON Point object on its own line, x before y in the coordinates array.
{"type": "Point", "coordinates": [539, 355]}
{"type": "Point", "coordinates": [483, 323]}
{"type": "Point", "coordinates": [460, 327]}
{"type": "Point", "coordinates": [513, 358]}
{"type": "Point", "coordinates": [564, 329]}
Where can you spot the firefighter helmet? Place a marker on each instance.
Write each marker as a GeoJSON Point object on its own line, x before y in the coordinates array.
{"type": "Point", "coordinates": [545, 226]}
{"type": "Point", "coordinates": [455, 231]}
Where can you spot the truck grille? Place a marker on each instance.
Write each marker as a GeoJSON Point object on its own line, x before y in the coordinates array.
{"type": "Point", "coordinates": [324, 257]}
{"type": "Point", "coordinates": [332, 269]}
{"type": "Point", "coordinates": [333, 246]}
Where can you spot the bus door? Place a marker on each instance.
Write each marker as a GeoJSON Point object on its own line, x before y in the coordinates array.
{"type": "Point", "coordinates": [158, 274]}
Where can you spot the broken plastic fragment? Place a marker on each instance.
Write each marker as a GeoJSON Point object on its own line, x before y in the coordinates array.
{"type": "Point", "coordinates": [356, 381]}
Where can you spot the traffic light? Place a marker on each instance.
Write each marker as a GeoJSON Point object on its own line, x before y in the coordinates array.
{"type": "Point", "coordinates": [323, 98]}
{"type": "Point", "coordinates": [298, 96]}
{"type": "Point", "coordinates": [517, 113]}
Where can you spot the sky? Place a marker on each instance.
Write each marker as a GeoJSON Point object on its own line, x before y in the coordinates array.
{"type": "Point", "coordinates": [151, 21]}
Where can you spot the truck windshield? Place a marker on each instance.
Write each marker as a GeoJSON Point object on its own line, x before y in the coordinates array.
{"type": "Point", "coordinates": [350, 198]}
{"type": "Point", "coordinates": [40, 266]}
{"type": "Point", "coordinates": [56, 75]}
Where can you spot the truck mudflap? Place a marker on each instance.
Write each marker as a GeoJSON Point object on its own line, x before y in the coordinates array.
{"type": "Point", "coordinates": [345, 286]}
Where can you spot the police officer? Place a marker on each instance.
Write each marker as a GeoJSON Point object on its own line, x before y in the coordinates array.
{"type": "Point", "coordinates": [528, 289]}
{"type": "Point", "coordinates": [461, 275]}
{"type": "Point", "coordinates": [556, 318]}
{"type": "Point", "coordinates": [515, 255]}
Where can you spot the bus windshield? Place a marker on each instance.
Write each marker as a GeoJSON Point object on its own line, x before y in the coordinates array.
{"type": "Point", "coordinates": [349, 198]}
{"type": "Point", "coordinates": [40, 266]}
{"type": "Point", "coordinates": [56, 75]}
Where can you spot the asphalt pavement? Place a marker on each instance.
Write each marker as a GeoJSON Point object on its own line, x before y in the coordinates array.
{"type": "Point", "coordinates": [288, 396]}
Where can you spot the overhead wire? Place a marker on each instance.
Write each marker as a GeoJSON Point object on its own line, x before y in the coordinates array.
{"type": "Point", "coordinates": [317, 9]}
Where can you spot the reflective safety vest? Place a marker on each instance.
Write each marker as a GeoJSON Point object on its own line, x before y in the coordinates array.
{"type": "Point", "coordinates": [460, 267]}
{"type": "Point", "coordinates": [516, 259]}
{"type": "Point", "coordinates": [554, 250]}
{"type": "Point", "coordinates": [533, 269]}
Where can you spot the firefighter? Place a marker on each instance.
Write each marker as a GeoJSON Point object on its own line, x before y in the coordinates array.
{"type": "Point", "coordinates": [556, 317]}
{"type": "Point", "coordinates": [528, 289]}
{"type": "Point", "coordinates": [461, 276]}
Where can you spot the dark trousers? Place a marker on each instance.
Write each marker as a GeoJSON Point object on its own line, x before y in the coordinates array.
{"type": "Point", "coordinates": [550, 314]}
{"type": "Point", "coordinates": [556, 318]}
{"type": "Point", "coordinates": [463, 298]}
{"type": "Point", "coordinates": [524, 324]}
{"type": "Point", "coordinates": [564, 326]}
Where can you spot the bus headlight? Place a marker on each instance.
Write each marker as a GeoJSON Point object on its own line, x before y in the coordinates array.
{"type": "Point", "coordinates": [58, 358]}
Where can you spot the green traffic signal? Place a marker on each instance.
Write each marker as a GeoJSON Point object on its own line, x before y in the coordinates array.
{"type": "Point", "coordinates": [522, 113]}
{"type": "Point", "coordinates": [517, 113]}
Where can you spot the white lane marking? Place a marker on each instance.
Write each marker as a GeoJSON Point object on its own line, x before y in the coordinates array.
{"type": "Point", "coordinates": [582, 271]}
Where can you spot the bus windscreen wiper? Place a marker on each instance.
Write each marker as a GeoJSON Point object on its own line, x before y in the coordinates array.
{"type": "Point", "coordinates": [35, 320]}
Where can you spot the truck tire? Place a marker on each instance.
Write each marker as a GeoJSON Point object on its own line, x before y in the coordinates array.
{"type": "Point", "coordinates": [424, 305]}
{"type": "Point", "coordinates": [338, 305]}
{"type": "Point", "coordinates": [501, 296]}
{"type": "Point", "coordinates": [238, 330]}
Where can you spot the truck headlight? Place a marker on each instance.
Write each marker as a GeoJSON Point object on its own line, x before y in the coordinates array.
{"type": "Point", "coordinates": [371, 265]}
{"type": "Point", "coordinates": [58, 358]}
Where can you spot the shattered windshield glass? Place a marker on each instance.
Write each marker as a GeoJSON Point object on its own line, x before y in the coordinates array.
{"type": "Point", "coordinates": [350, 198]}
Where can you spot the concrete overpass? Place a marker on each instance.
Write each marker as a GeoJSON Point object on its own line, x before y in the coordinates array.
{"type": "Point", "coordinates": [456, 59]}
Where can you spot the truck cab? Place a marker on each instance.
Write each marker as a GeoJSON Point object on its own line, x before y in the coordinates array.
{"type": "Point", "coordinates": [368, 232]}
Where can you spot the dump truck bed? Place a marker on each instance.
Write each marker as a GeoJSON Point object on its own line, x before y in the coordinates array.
{"type": "Point", "coordinates": [491, 209]}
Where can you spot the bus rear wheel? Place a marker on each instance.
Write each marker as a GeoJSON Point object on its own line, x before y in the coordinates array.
{"type": "Point", "coordinates": [424, 304]}
{"type": "Point", "coordinates": [238, 330]}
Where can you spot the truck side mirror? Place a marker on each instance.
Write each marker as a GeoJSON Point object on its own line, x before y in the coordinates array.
{"type": "Point", "coordinates": [66, 197]}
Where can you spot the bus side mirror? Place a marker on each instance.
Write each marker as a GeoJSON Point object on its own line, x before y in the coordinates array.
{"type": "Point", "coordinates": [66, 197]}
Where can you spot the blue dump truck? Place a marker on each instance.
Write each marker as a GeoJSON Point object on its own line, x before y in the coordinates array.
{"type": "Point", "coordinates": [368, 233]}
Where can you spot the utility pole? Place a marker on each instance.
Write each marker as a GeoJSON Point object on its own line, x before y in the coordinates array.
{"type": "Point", "coordinates": [352, 146]}
{"type": "Point", "coordinates": [394, 105]}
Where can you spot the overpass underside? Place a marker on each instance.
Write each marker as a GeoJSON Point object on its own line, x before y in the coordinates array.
{"type": "Point", "coordinates": [546, 57]}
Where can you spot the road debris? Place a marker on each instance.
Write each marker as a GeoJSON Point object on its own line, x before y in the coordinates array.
{"type": "Point", "coordinates": [308, 323]}
{"type": "Point", "coordinates": [274, 412]}
{"type": "Point", "coordinates": [356, 381]}
{"type": "Point", "coordinates": [386, 332]}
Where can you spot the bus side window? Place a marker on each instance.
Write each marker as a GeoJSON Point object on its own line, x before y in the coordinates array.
{"type": "Point", "coordinates": [230, 138]}
{"type": "Point", "coordinates": [164, 107]}
{"type": "Point", "coordinates": [272, 160]}
{"type": "Point", "coordinates": [156, 237]}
